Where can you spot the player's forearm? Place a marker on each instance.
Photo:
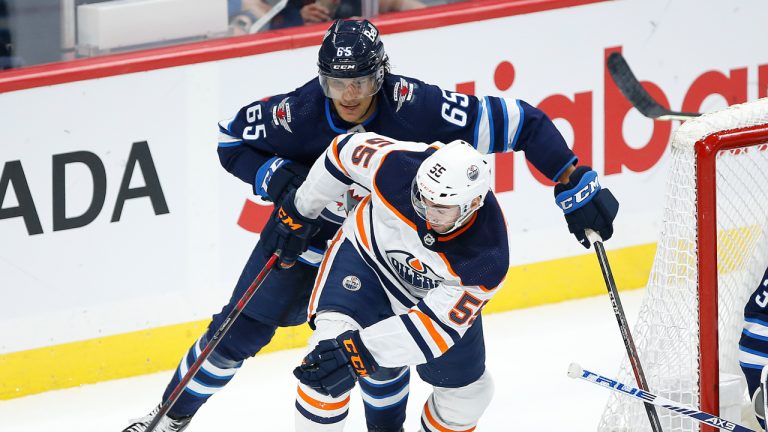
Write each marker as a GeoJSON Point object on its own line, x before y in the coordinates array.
{"type": "Point", "coordinates": [318, 190]}
{"type": "Point", "coordinates": [391, 344]}
{"type": "Point", "coordinates": [415, 337]}
{"type": "Point", "coordinates": [544, 146]}
{"type": "Point", "coordinates": [241, 161]}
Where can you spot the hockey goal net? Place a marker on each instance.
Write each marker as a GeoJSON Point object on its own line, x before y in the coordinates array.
{"type": "Point", "coordinates": [711, 254]}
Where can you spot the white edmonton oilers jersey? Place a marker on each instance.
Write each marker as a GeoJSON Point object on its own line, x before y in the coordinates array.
{"type": "Point", "coordinates": [437, 284]}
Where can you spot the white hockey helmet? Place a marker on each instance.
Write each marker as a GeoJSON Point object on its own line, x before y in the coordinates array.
{"type": "Point", "coordinates": [448, 182]}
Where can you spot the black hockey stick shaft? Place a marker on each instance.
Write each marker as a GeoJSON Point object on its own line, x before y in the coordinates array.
{"type": "Point", "coordinates": [631, 88]}
{"type": "Point", "coordinates": [618, 311]}
{"type": "Point", "coordinates": [211, 345]}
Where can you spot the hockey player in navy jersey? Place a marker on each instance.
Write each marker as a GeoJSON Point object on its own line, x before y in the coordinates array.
{"type": "Point", "coordinates": [753, 346]}
{"type": "Point", "coordinates": [270, 144]}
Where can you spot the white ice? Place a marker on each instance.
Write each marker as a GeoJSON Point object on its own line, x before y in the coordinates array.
{"type": "Point", "coordinates": [528, 351]}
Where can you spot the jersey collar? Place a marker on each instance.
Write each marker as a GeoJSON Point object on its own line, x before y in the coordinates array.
{"type": "Point", "coordinates": [331, 115]}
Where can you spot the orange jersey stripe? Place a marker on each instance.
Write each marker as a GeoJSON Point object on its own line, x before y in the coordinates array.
{"type": "Point", "coordinates": [432, 422]}
{"type": "Point", "coordinates": [321, 273]}
{"type": "Point", "coordinates": [361, 223]}
{"type": "Point", "coordinates": [327, 406]}
{"type": "Point", "coordinates": [431, 329]}
{"type": "Point", "coordinates": [336, 155]}
{"type": "Point", "coordinates": [448, 265]}
{"type": "Point", "coordinates": [386, 203]}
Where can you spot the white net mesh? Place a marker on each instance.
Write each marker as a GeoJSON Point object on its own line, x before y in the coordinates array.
{"type": "Point", "coordinates": [667, 330]}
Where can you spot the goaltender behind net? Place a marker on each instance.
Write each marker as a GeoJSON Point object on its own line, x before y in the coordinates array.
{"type": "Point", "coordinates": [405, 279]}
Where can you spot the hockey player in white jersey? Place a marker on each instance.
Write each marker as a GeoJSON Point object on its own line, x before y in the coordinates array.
{"type": "Point", "coordinates": [405, 279]}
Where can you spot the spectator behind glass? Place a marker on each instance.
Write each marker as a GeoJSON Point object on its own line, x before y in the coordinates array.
{"type": "Point", "coordinates": [243, 13]}
{"type": "Point", "coordinates": [5, 38]}
{"type": "Point", "coordinates": [7, 59]}
{"type": "Point", "coordinates": [300, 12]}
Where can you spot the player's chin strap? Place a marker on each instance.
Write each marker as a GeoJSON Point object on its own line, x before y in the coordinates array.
{"type": "Point", "coordinates": [618, 310]}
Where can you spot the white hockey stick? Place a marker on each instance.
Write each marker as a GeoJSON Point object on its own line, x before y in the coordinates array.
{"type": "Point", "coordinates": [635, 93]}
{"type": "Point", "coordinates": [576, 371]}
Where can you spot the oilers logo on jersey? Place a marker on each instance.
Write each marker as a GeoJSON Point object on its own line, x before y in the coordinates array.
{"type": "Point", "coordinates": [351, 283]}
{"type": "Point", "coordinates": [403, 92]}
{"type": "Point", "coordinates": [417, 277]}
{"type": "Point", "coordinates": [281, 114]}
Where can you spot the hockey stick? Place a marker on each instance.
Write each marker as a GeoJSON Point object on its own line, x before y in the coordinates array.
{"type": "Point", "coordinates": [629, 344]}
{"type": "Point", "coordinates": [576, 371]}
{"type": "Point", "coordinates": [635, 93]}
{"type": "Point", "coordinates": [211, 345]}
{"type": "Point", "coordinates": [764, 387]}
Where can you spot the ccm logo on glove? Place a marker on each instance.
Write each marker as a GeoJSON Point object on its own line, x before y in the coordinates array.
{"type": "Point", "coordinates": [354, 358]}
{"type": "Point", "coordinates": [287, 220]}
{"type": "Point", "coordinates": [574, 200]}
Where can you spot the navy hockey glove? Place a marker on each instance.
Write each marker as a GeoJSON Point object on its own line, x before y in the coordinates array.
{"type": "Point", "coordinates": [278, 176]}
{"type": "Point", "coordinates": [288, 231]}
{"type": "Point", "coordinates": [586, 205]}
{"type": "Point", "coordinates": [333, 367]}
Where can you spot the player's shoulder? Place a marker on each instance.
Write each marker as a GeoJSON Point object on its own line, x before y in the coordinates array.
{"type": "Point", "coordinates": [405, 93]}
{"type": "Point", "coordinates": [299, 108]}
{"type": "Point", "coordinates": [479, 252]}
{"type": "Point", "coordinates": [381, 144]}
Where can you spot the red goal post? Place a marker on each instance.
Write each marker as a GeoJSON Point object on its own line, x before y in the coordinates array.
{"type": "Point", "coordinates": [747, 139]}
{"type": "Point", "coordinates": [711, 254]}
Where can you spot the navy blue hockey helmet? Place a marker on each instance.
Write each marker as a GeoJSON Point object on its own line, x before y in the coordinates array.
{"type": "Point", "coordinates": [351, 54]}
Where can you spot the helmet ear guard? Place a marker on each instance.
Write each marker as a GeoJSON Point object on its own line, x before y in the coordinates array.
{"type": "Point", "coordinates": [456, 175]}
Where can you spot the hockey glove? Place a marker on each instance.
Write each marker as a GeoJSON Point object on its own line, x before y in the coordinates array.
{"type": "Point", "coordinates": [586, 205]}
{"type": "Point", "coordinates": [334, 366]}
{"type": "Point", "coordinates": [288, 231]}
{"type": "Point", "coordinates": [278, 176]}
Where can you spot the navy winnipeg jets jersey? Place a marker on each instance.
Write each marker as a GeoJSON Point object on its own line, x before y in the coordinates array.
{"type": "Point", "coordinates": [300, 125]}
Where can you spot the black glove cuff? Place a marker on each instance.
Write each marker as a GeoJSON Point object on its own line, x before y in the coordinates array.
{"type": "Point", "coordinates": [285, 179]}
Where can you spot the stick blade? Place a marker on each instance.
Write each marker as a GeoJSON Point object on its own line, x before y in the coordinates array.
{"type": "Point", "coordinates": [631, 88]}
